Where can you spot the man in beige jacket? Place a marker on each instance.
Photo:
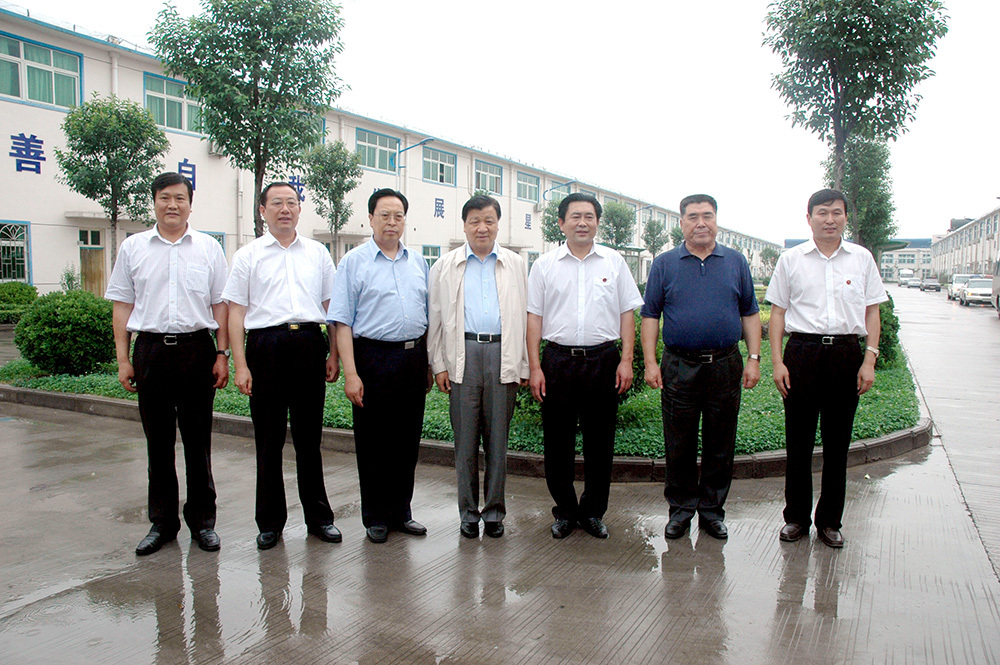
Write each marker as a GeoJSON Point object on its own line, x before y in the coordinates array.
{"type": "Point", "coordinates": [476, 344]}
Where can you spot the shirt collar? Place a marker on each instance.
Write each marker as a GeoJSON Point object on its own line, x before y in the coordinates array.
{"type": "Point", "coordinates": [495, 253]}
{"type": "Point", "coordinates": [563, 251]}
{"type": "Point", "coordinates": [269, 239]}
{"type": "Point", "coordinates": [375, 250]}
{"type": "Point", "coordinates": [156, 234]}
{"type": "Point", "coordinates": [844, 245]}
{"type": "Point", "coordinates": [684, 251]}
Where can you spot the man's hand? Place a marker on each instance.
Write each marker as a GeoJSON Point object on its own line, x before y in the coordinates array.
{"type": "Point", "coordinates": [243, 380]}
{"type": "Point", "coordinates": [866, 377]}
{"type": "Point", "coordinates": [751, 373]}
{"type": "Point", "coordinates": [782, 379]}
{"type": "Point", "coordinates": [220, 370]}
{"type": "Point", "coordinates": [654, 378]}
{"type": "Point", "coordinates": [126, 375]}
{"type": "Point", "coordinates": [332, 368]}
{"type": "Point", "coordinates": [354, 388]}
{"type": "Point", "coordinates": [443, 383]}
{"type": "Point", "coordinates": [623, 376]}
{"type": "Point", "coordinates": [537, 383]}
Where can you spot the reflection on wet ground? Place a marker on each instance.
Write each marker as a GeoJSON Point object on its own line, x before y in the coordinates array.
{"type": "Point", "coordinates": [912, 585]}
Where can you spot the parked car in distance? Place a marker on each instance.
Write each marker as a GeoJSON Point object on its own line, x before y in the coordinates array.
{"type": "Point", "coordinates": [913, 283]}
{"type": "Point", "coordinates": [977, 291]}
{"type": "Point", "coordinates": [996, 283]}
{"type": "Point", "coordinates": [930, 284]}
{"type": "Point", "coordinates": [958, 280]}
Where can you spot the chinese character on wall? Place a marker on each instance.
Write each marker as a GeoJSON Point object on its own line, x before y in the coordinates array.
{"type": "Point", "coordinates": [439, 208]}
{"type": "Point", "coordinates": [187, 169]}
{"type": "Point", "coordinates": [296, 182]}
{"type": "Point", "coordinates": [527, 220]}
{"type": "Point", "coordinates": [27, 152]}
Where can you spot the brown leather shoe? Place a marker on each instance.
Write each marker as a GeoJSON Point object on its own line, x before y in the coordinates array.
{"type": "Point", "coordinates": [792, 532]}
{"type": "Point", "coordinates": [831, 537]}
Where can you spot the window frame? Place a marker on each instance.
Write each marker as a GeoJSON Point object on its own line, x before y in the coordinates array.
{"type": "Point", "coordinates": [428, 161]}
{"type": "Point", "coordinates": [185, 102]}
{"type": "Point", "coordinates": [13, 243]}
{"type": "Point", "coordinates": [22, 64]}
{"type": "Point", "coordinates": [391, 167]}
{"type": "Point", "coordinates": [537, 185]}
{"type": "Point", "coordinates": [489, 176]}
{"type": "Point", "coordinates": [431, 257]}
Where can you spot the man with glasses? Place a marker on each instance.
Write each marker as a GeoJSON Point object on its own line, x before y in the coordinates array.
{"type": "Point", "coordinates": [704, 292]}
{"type": "Point", "coordinates": [379, 304]}
{"type": "Point", "coordinates": [278, 291]}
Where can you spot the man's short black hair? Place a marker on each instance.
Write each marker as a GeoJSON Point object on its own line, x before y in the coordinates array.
{"type": "Point", "coordinates": [825, 196]}
{"type": "Point", "coordinates": [579, 196]}
{"type": "Point", "coordinates": [169, 179]}
{"type": "Point", "coordinates": [478, 203]}
{"type": "Point", "coordinates": [699, 198]}
{"type": "Point", "coordinates": [280, 183]}
{"type": "Point", "coordinates": [382, 193]}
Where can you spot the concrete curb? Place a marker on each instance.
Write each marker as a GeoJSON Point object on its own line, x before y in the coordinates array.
{"type": "Point", "coordinates": [625, 469]}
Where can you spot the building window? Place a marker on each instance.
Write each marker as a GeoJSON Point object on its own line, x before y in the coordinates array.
{"type": "Point", "coordinates": [527, 187]}
{"type": "Point", "coordinates": [532, 257]}
{"type": "Point", "coordinates": [38, 73]}
{"type": "Point", "coordinates": [219, 236]}
{"type": "Point", "coordinates": [588, 193]}
{"type": "Point", "coordinates": [610, 199]}
{"type": "Point", "coordinates": [167, 100]}
{"type": "Point", "coordinates": [90, 238]}
{"type": "Point", "coordinates": [439, 166]}
{"type": "Point", "coordinates": [489, 177]}
{"type": "Point", "coordinates": [558, 191]}
{"type": "Point", "coordinates": [377, 151]}
{"type": "Point", "coordinates": [13, 252]}
{"type": "Point", "coordinates": [431, 254]}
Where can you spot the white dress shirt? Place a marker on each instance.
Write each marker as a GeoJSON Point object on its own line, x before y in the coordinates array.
{"type": "Point", "coordinates": [826, 295]}
{"type": "Point", "coordinates": [581, 302]}
{"type": "Point", "coordinates": [171, 285]}
{"type": "Point", "coordinates": [281, 284]}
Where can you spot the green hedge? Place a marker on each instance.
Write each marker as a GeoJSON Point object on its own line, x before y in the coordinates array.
{"type": "Point", "coordinates": [66, 333]}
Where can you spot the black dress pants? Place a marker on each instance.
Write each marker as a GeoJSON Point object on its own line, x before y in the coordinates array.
{"type": "Point", "coordinates": [288, 369]}
{"type": "Point", "coordinates": [176, 388]}
{"type": "Point", "coordinates": [579, 389]}
{"type": "Point", "coordinates": [708, 392]}
{"type": "Point", "coordinates": [387, 428]}
{"type": "Point", "coordinates": [824, 380]}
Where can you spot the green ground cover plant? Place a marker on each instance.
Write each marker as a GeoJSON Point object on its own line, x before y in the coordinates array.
{"type": "Point", "coordinates": [891, 405]}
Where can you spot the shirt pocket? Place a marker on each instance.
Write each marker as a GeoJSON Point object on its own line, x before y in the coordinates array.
{"type": "Point", "coordinates": [853, 290]}
{"type": "Point", "coordinates": [604, 289]}
{"type": "Point", "coordinates": [196, 280]}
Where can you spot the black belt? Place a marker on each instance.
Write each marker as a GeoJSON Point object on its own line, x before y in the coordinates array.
{"type": "Point", "coordinates": [581, 351]}
{"type": "Point", "coordinates": [406, 344]}
{"type": "Point", "coordinates": [482, 338]}
{"type": "Point", "coordinates": [173, 339]}
{"type": "Point", "coordinates": [292, 327]}
{"type": "Point", "coordinates": [825, 340]}
{"type": "Point", "coordinates": [703, 355]}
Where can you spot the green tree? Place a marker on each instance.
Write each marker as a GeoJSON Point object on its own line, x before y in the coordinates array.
{"type": "Point", "coordinates": [654, 236]}
{"type": "Point", "coordinates": [550, 224]}
{"type": "Point", "coordinates": [617, 226]}
{"type": "Point", "coordinates": [676, 236]}
{"type": "Point", "coordinates": [850, 66]}
{"type": "Point", "coordinates": [113, 153]}
{"type": "Point", "coordinates": [263, 70]}
{"type": "Point", "coordinates": [868, 188]}
{"type": "Point", "coordinates": [769, 257]}
{"type": "Point", "coordinates": [331, 172]}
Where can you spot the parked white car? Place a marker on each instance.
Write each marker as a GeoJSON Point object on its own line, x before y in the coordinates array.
{"type": "Point", "coordinates": [977, 291]}
{"type": "Point", "coordinates": [956, 283]}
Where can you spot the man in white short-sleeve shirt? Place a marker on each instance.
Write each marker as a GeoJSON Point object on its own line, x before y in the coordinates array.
{"type": "Point", "coordinates": [825, 293]}
{"type": "Point", "coordinates": [581, 300]}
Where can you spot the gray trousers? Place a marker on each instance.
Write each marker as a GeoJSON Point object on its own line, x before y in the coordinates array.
{"type": "Point", "coordinates": [481, 407]}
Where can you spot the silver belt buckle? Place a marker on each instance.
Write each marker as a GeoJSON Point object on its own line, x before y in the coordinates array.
{"type": "Point", "coordinates": [293, 326]}
{"type": "Point", "coordinates": [410, 344]}
{"type": "Point", "coordinates": [706, 358]}
{"type": "Point", "coordinates": [577, 353]}
{"type": "Point", "coordinates": [484, 338]}
{"type": "Point", "coordinates": [170, 340]}
{"type": "Point", "coordinates": [827, 340]}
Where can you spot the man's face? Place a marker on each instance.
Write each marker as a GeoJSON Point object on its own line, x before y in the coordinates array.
{"type": "Point", "coordinates": [699, 225]}
{"type": "Point", "coordinates": [481, 229]}
{"type": "Point", "coordinates": [580, 224]}
{"type": "Point", "coordinates": [828, 220]}
{"type": "Point", "coordinates": [172, 207]}
{"type": "Point", "coordinates": [388, 221]}
{"type": "Point", "coordinates": [281, 211]}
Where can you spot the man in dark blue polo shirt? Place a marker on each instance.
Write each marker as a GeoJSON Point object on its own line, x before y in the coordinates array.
{"type": "Point", "coordinates": [704, 292]}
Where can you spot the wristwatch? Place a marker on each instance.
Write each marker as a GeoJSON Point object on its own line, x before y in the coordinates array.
{"type": "Point", "coordinates": [872, 349]}
{"type": "Point", "coordinates": [754, 356]}
{"type": "Point", "coordinates": [224, 352]}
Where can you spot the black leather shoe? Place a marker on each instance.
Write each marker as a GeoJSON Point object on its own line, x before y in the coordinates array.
{"type": "Point", "coordinates": [326, 532]}
{"type": "Point", "coordinates": [675, 529]}
{"type": "Point", "coordinates": [413, 528]}
{"type": "Point", "coordinates": [715, 528]}
{"type": "Point", "coordinates": [377, 533]}
{"type": "Point", "coordinates": [561, 528]}
{"type": "Point", "coordinates": [594, 526]}
{"type": "Point", "coordinates": [154, 540]}
{"type": "Point", "coordinates": [792, 532]}
{"type": "Point", "coordinates": [831, 537]}
{"type": "Point", "coordinates": [470, 529]}
{"type": "Point", "coordinates": [494, 529]}
{"type": "Point", "coordinates": [207, 540]}
{"type": "Point", "coordinates": [267, 539]}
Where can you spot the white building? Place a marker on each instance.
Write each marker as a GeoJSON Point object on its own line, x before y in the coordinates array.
{"type": "Point", "coordinates": [915, 256]}
{"type": "Point", "coordinates": [969, 247]}
{"type": "Point", "coordinates": [46, 69]}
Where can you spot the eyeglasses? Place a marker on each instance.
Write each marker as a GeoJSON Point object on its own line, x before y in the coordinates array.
{"type": "Point", "coordinates": [386, 216]}
{"type": "Point", "coordinates": [278, 204]}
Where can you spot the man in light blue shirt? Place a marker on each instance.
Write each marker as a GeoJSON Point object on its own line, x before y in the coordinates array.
{"type": "Point", "coordinates": [379, 304]}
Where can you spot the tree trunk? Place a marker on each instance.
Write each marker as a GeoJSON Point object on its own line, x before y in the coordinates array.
{"type": "Point", "coordinates": [335, 247]}
{"type": "Point", "coordinates": [258, 184]}
{"type": "Point", "coordinates": [838, 164]}
{"type": "Point", "coordinates": [114, 238]}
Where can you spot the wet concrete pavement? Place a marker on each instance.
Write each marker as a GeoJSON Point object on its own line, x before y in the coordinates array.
{"type": "Point", "coordinates": [914, 584]}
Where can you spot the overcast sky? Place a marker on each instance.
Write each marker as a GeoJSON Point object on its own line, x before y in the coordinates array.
{"type": "Point", "coordinates": [654, 100]}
